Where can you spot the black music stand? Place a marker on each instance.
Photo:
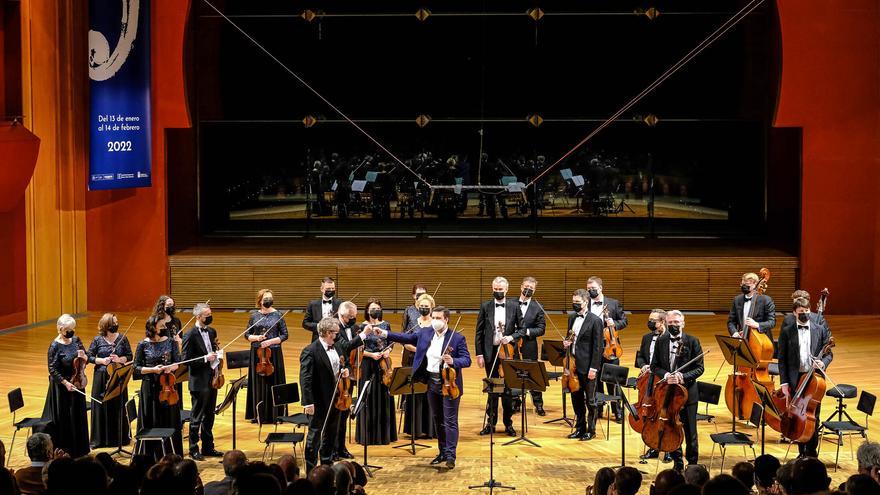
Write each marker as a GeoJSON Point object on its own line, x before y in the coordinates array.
{"type": "Point", "coordinates": [403, 384]}
{"type": "Point", "coordinates": [615, 375]}
{"type": "Point", "coordinates": [238, 360]}
{"type": "Point", "coordinates": [768, 406]}
{"type": "Point", "coordinates": [527, 375]}
{"type": "Point", "coordinates": [117, 382]}
{"type": "Point", "coordinates": [556, 356]}
{"type": "Point", "coordinates": [364, 421]}
{"type": "Point", "coordinates": [737, 353]}
{"type": "Point", "coordinates": [231, 399]}
{"type": "Point", "coordinates": [492, 386]}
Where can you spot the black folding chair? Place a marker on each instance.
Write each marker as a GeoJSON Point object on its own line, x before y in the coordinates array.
{"type": "Point", "coordinates": [160, 435]}
{"type": "Point", "coordinates": [282, 395]}
{"type": "Point", "coordinates": [849, 427]}
{"type": "Point", "coordinates": [16, 402]}
{"type": "Point", "coordinates": [708, 393]}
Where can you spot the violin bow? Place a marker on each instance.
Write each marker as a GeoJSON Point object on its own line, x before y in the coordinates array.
{"type": "Point", "coordinates": [707, 351]}
{"type": "Point", "coordinates": [87, 396]}
{"type": "Point", "coordinates": [435, 290]}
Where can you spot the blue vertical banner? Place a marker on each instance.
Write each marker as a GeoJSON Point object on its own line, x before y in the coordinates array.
{"type": "Point", "coordinates": [119, 73]}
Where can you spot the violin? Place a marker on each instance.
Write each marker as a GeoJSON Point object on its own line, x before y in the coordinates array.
{"type": "Point", "coordinates": [798, 421]}
{"type": "Point", "coordinates": [613, 350]}
{"type": "Point", "coordinates": [448, 374]}
{"type": "Point", "coordinates": [569, 375]}
{"type": "Point", "coordinates": [385, 364]}
{"type": "Point", "coordinates": [78, 379]}
{"type": "Point", "coordinates": [168, 392]}
{"type": "Point", "coordinates": [264, 366]}
{"type": "Point", "coordinates": [217, 379]}
{"type": "Point", "coordinates": [505, 351]}
{"type": "Point", "coordinates": [740, 381]}
{"type": "Point", "coordinates": [354, 357]}
{"type": "Point", "coordinates": [662, 429]}
{"type": "Point", "coordinates": [343, 397]}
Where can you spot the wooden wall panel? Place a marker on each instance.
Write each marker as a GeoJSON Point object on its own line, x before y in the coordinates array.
{"type": "Point", "coordinates": [294, 283]}
{"type": "Point", "coordinates": [682, 289]}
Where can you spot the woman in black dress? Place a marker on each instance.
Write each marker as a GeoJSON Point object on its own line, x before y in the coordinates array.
{"type": "Point", "coordinates": [412, 323]}
{"type": "Point", "coordinates": [267, 330]}
{"type": "Point", "coordinates": [379, 410]}
{"type": "Point", "coordinates": [108, 419]}
{"type": "Point", "coordinates": [167, 312]}
{"type": "Point", "coordinates": [155, 355]}
{"type": "Point", "coordinates": [65, 407]}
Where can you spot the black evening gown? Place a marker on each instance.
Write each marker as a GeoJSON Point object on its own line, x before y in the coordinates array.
{"type": "Point", "coordinates": [108, 419]}
{"type": "Point", "coordinates": [174, 327]}
{"type": "Point", "coordinates": [66, 410]}
{"type": "Point", "coordinates": [259, 392]}
{"type": "Point", "coordinates": [424, 423]}
{"type": "Point", "coordinates": [151, 412]}
{"type": "Point", "coordinates": [381, 424]}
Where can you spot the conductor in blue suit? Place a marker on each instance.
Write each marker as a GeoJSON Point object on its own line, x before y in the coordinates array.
{"type": "Point", "coordinates": [435, 348]}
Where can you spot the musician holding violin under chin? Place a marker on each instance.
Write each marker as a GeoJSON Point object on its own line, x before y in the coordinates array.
{"type": "Point", "coordinates": [65, 407]}
{"type": "Point", "coordinates": [266, 330]}
{"type": "Point", "coordinates": [106, 348]}
{"type": "Point", "coordinates": [157, 405]}
{"type": "Point", "coordinates": [379, 408]}
{"type": "Point", "coordinates": [201, 342]}
{"type": "Point", "coordinates": [438, 348]}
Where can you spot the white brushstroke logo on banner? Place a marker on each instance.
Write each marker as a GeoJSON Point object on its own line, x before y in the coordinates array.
{"type": "Point", "coordinates": [102, 64]}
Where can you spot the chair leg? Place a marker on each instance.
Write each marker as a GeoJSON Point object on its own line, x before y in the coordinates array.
{"type": "Point", "coordinates": [837, 455]}
{"type": "Point", "coordinates": [787, 450]}
{"type": "Point", "coordinates": [11, 447]}
{"type": "Point", "coordinates": [723, 456]}
{"type": "Point", "coordinates": [711, 457]}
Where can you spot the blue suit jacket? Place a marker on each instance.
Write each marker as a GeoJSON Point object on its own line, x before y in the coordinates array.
{"type": "Point", "coordinates": [421, 338]}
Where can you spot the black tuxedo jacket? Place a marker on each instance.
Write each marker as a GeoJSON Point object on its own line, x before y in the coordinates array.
{"type": "Point", "coordinates": [200, 372]}
{"type": "Point", "coordinates": [789, 347]}
{"type": "Point", "coordinates": [688, 349]}
{"type": "Point", "coordinates": [533, 324]}
{"type": "Point", "coordinates": [484, 341]}
{"type": "Point", "coordinates": [316, 379]}
{"type": "Point", "coordinates": [643, 355]}
{"type": "Point", "coordinates": [763, 311]}
{"type": "Point", "coordinates": [589, 344]}
{"type": "Point", "coordinates": [615, 311]}
{"type": "Point", "coordinates": [314, 314]}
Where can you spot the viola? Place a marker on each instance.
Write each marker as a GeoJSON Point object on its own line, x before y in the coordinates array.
{"type": "Point", "coordinates": [385, 364]}
{"type": "Point", "coordinates": [354, 357]}
{"type": "Point", "coordinates": [613, 350]}
{"type": "Point", "coordinates": [505, 351]}
{"type": "Point", "coordinates": [167, 381]}
{"type": "Point", "coordinates": [448, 374]}
{"type": "Point", "coordinates": [343, 397]}
{"type": "Point", "coordinates": [569, 376]}
{"type": "Point", "coordinates": [217, 379]}
{"type": "Point", "coordinates": [798, 420]}
{"type": "Point", "coordinates": [114, 365]}
{"type": "Point", "coordinates": [264, 366]}
{"type": "Point", "coordinates": [78, 379]}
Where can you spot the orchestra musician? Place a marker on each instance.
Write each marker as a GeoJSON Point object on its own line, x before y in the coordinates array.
{"type": "Point", "coordinates": [801, 339]}
{"type": "Point", "coordinates": [201, 342]}
{"type": "Point", "coordinates": [673, 349]}
{"type": "Point", "coordinates": [65, 407]}
{"type": "Point", "coordinates": [318, 309]}
{"type": "Point", "coordinates": [166, 310]}
{"type": "Point", "coordinates": [269, 333]}
{"type": "Point", "coordinates": [533, 323]}
{"type": "Point", "coordinates": [379, 405]}
{"type": "Point", "coordinates": [497, 324]}
{"type": "Point", "coordinates": [412, 323]}
{"type": "Point", "coordinates": [598, 302]}
{"type": "Point", "coordinates": [438, 346]}
{"type": "Point", "coordinates": [751, 309]}
{"type": "Point", "coordinates": [656, 328]}
{"type": "Point", "coordinates": [586, 349]}
{"type": "Point", "coordinates": [108, 347]}
{"type": "Point", "coordinates": [348, 327]}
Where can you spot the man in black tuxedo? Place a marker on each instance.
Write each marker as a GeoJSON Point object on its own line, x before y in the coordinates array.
{"type": "Point", "coordinates": [750, 309]}
{"type": "Point", "coordinates": [656, 328]}
{"type": "Point", "coordinates": [533, 323]}
{"type": "Point", "coordinates": [201, 342]}
{"type": "Point", "coordinates": [801, 340]}
{"type": "Point", "coordinates": [673, 349]}
{"type": "Point", "coordinates": [318, 309]}
{"type": "Point", "coordinates": [616, 317]}
{"type": "Point", "coordinates": [497, 323]}
{"type": "Point", "coordinates": [321, 362]}
{"type": "Point", "coordinates": [348, 330]}
{"type": "Point", "coordinates": [585, 329]}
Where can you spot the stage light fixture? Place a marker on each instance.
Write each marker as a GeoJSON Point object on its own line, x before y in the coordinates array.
{"type": "Point", "coordinates": [535, 119]}
{"type": "Point", "coordinates": [423, 120]}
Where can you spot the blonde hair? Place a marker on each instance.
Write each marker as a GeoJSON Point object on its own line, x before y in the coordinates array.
{"type": "Point", "coordinates": [65, 321]}
{"type": "Point", "coordinates": [105, 322]}
{"type": "Point", "coordinates": [750, 277]}
{"type": "Point", "coordinates": [428, 298]}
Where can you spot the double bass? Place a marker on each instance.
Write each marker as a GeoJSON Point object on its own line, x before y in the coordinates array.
{"type": "Point", "coordinates": [798, 419]}
{"type": "Point", "coordinates": [739, 392]}
{"type": "Point", "coordinates": [613, 350]}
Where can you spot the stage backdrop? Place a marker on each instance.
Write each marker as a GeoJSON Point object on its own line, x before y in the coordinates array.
{"type": "Point", "coordinates": [119, 117]}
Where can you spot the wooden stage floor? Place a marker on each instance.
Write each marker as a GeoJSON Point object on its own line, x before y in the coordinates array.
{"type": "Point", "coordinates": [559, 466]}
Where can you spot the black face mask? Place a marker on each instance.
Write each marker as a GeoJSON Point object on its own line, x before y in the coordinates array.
{"type": "Point", "coordinates": [593, 293]}
{"type": "Point", "coordinates": [113, 329]}
{"type": "Point", "coordinates": [673, 330]}
{"type": "Point", "coordinates": [652, 325]}
{"type": "Point", "coordinates": [745, 289]}
{"type": "Point", "coordinates": [424, 311]}
{"type": "Point", "coordinates": [267, 303]}
{"type": "Point", "coordinates": [577, 307]}
{"type": "Point", "coordinates": [68, 334]}
{"type": "Point", "coordinates": [498, 295]}
{"type": "Point", "coordinates": [376, 314]}
{"type": "Point", "coordinates": [209, 319]}
{"type": "Point", "coordinates": [169, 310]}
{"type": "Point", "coordinates": [328, 294]}
{"type": "Point", "coordinates": [804, 317]}
{"type": "Point", "coordinates": [527, 292]}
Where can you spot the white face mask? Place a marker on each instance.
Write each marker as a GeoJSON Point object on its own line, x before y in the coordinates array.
{"type": "Point", "coordinates": [438, 324]}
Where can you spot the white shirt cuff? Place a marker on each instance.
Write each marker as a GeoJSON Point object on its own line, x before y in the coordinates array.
{"type": "Point", "coordinates": [593, 370]}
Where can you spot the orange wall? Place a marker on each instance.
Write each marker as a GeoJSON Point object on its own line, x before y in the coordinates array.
{"type": "Point", "coordinates": [831, 88]}
{"type": "Point", "coordinates": [127, 229]}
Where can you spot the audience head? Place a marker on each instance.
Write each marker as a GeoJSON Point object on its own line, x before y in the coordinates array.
{"type": "Point", "coordinates": [342, 478]}
{"type": "Point", "coordinates": [696, 474]}
{"type": "Point", "coordinates": [360, 474]}
{"type": "Point", "coordinates": [765, 471]}
{"type": "Point", "coordinates": [290, 466]}
{"type": "Point", "coordinates": [724, 484]}
{"type": "Point", "coordinates": [869, 459]}
{"type": "Point", "coordinates": [39, 447]}
{"type": "Point", "coordinates": [322, 477]}
{"type": "Point", "coordinates": [187, 471]}
{"type": "Point", "coordinates": [627, 481]}
{"type": "Point", "coordinates": [90, 477]}
{"type": "Point", "coordinates": [301, 486]}
{"type": "Point", "coordinates": [58, 475]}
{"type": "Point", "coordinates": [7, 481]}
{"type": "Point", "coordinates": [862, 484]}
{"type": "Point", "coordinates": [232, 461]}
{"type": "Point", "coordinates": [602, 482]}
{"type": "Point", "coordinates": [745, 473]}
{"type": "Point", "coordinates": [665, 481]}
{"type": "Point", "coordinates": [279, 475]}
{"type": "Point", "coordinates": [808, 475]}
{"type": "Point", "coordinates": [685, 489]}
{"type": "Point", "coordinates": [783, 477]}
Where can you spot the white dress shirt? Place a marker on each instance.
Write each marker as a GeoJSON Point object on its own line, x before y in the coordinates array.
{"type": "Point", "coordinates": [596, 309]}
{"type": "Point", "coordinates": [500, 317]}
{"type": "Point", "coordinates": [747, 309]}
{"type": "Point", "coordinates": [651, 349]}
{"type": "Point", "coordinates": [673, 349]}
{"type": "Point", "coordinates": [523, 308]}
{"type": "Point", "coordinates": [332, 355]}
{"type": "Point", "coordinates": [435, 351]}
{"type": "Point", "coordinates": [206, 338]}
{"type": "Point", "coordinates": [327, 308]}
{"type": "Point", "coordinates": [576, 329]}
{"type": "Point", "coordinates": [805, 358]}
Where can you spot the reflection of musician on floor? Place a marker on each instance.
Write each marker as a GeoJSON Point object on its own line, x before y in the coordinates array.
{"type": "Point", "coordinates": [801, 339]}
{"type": "Point", "coordinates": [751, 309]}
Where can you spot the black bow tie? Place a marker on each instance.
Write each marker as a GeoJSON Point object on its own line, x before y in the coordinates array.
{"type": "Point", "coordinates": [523, 303]}
{"type": "Point", "coordinates": [748, 299]}
{"type": "Point", "coordinates": [597, 303]}
{"type": "Point", "coordinates": [204, 329]}
{"type": "Point", "coordinates": [674, 339]}
{"type": "Point", "coordinates": [803, 327]}
{"type": "Point", "coordinates": [499, 305]}
{"type": "Point", "coordinates": [326, 302]}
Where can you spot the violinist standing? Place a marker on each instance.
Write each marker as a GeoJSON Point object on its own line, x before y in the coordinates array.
{"type": "Point", "coordinates": [65, 407]}
{"type": "Point", "coordinates": [348, 328]}
{"type": "Point", "coordinates": [673, 349]}
{"type": "Point", "coordinates": [318, 309]}
{"type": "Point", "coordinates": [201, 342]}
{"type": "Point", "coordinates": [379, 406]}
{"type": "Point", "coordinates": [751, 309]}
{"type": "Point", "coordinates": [586, 349]}
{"type": "Point", "coordinates": [416, 317]}
{"type": "Point", "coordinates": [497, 324]}
{"type": "Point", "coordinates": [267, 334]}
{"type": "Point", "coordinates": [802, 338]}
{"type": "Point", "coordinates": [166, 310]}
{"type": "Point", "coordinates": [656, 328]}
{"type": "Point", "coordinates": [155, 355]}
{"type": "Point", "coordinates": [321, 362]}
{"type": "Point", "coordinates": [616, 317]}
{"type": "Point", "coordinates": [533, 324]}
{"type": "Point", "coordinates": [438, 347]}
{"type": "Point", "coordinates": [108, 347]}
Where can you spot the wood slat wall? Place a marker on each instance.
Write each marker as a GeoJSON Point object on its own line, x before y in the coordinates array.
{"type": "Point", "coordinates": [702, 283]}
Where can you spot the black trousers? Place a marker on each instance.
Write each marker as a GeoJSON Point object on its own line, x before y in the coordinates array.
{"type": "Point", "coordinates": [316, 443]}
{"type": "Point", "coordinates": [492, 403]}
{"type": "Point", "coordinates": [688, 418]}
{"type": "Point", "coordinates": [601, 386]}
{"type": "Point", "coordinates": [202, 420]}
{"type": "Point", "coordinates": [341, 431]}
{"type": "Point", "coordinates": [582, 401]}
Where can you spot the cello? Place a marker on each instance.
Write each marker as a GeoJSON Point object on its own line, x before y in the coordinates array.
{"type": "Point", "coordinates": [613, 350]}
{"type": "Point", "coordinates": [643, 404]}
{"type": "Point", "coordinates": [798, 420]}
{"type": "Point", "coordinates": [739, 392]}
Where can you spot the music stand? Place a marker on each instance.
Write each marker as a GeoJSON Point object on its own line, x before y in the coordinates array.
{"type": "Point", "coordinates": [238, 360]}
{"type": "Point", "coordinates": [736, 353]}
{"type": "Point", "coordinates": [492, 386]}
{"type": "Point", "coordinates": [556, 356]}
{"type": "Point", "coordinates": [527, 375]}
{"type": "Point", "coordinates": [615, 375]}
{"type": "Point", "coordinates": [181, 374]}
{"type": "Point", "coordinates": [363, 419]}
{"type": "Point", "coordinates": [231, 399]}
{"type": "Point", "coordinates": [403, 384]}
{"type": "Point", "coordinates": [768, 406]}
{"type": "Point", "coordinates": [117, 382]}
